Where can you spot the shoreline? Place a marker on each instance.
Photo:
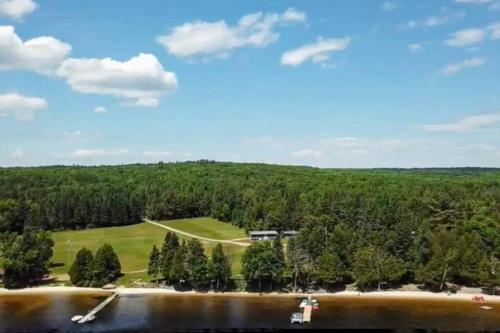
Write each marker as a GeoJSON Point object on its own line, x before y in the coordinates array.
{"type": "Point", "coordinates": [390, 294]}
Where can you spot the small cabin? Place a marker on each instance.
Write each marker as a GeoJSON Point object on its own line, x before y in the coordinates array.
{"type": "Point", "coordinates": [263, 235]}
{"type": "Point", "coordinates": [289, 234]}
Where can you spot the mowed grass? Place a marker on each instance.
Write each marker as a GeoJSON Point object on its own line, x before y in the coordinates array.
{"type": "Point", "coordinates": [207, 227]}
{"type": "Point", "coordinates": [133, 245]}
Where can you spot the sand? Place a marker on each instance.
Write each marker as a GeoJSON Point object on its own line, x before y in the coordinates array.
{"type": "Point", "coordinates": [464, 296]}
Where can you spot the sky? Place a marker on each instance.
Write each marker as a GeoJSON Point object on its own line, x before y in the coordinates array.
{"type": "Point", "coordinates": [340, 84]}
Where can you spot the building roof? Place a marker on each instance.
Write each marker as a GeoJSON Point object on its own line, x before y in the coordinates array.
{"type": "Point", "coordinates": [290, 232]}
{"type": "Point", "coordinates": [263, 232]}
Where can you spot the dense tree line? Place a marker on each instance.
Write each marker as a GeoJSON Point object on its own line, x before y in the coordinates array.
{"type": "Point", "coordinates": [429, 226]}
{"type": "Point", "coordinates": [90, 271]}
{"type": "Point", "coordinates": [185, 264]}
{"type": "Point", "coordinates": [25, 257]}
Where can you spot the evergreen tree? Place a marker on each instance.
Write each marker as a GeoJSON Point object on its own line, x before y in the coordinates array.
{"type": "Point", "coordinates": [154, 262]}
{"type": "Point", "coordinates": [197, 263]}
{"type": "Point", "coordinates": [220, 269]}
{"type": "Point", "coordinates": [106, 267]}
{"type": "Point", "coordinates": [80, 271]}
{"type": "Point", "coordinates": [280, 259]}
{"type": "Point", "coordinates": [168, 250]}
{"type": "Point", "coordinates": [179, 272]}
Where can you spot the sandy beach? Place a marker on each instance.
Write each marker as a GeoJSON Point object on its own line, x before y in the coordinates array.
{"type": "Point", "coordinates": [464, 296]}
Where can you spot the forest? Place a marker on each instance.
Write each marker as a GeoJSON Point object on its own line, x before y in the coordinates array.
{"type": "Point", "coordinates": [432, 226]}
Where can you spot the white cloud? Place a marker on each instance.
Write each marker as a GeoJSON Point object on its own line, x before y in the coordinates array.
{"type": "Point", "coordinates": [16, 9]}
{"type": "Point", "coordinates": [466, 124]}
{"type": "Point", "coordinates": [466, 37]}
{"type": "Point", "coordinates": [308, 153]}
{"type": "Point", "coordinates": [218, 38]}
{"type": "Point", "coordinates": [140, 80]}
{"type": "Point", "coordinates": [42, 54]}
{"type": "Point", "coordinates": [445, 16]}
{"type": "Point", "coordinates": [494, 30]}
{"type": "Point", "coordinates": [99, 152]}
{"type": "Point", "coordinates": [157, 154]}
{"type": "Point", "coordinates": [389, 6]}
{"type": "Point", "coordinates": [100, 109]}
{"type": "Point", "coordinates": [415, 47]}
{"type": "Point", "coordinates": [317, 52]}
{"type": "Point", "coordinates": [457, 67]}
{"type": "Point", "coordinates": [22, 107]}
{"type": "Point", "coordinates": [17, 153]}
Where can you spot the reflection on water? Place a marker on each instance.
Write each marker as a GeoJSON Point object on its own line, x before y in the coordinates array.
{"type": "Point", "coordinates": [168, 312]}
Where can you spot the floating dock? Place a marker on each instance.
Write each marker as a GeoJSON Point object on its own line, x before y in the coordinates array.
{"type": "Point", "coordinates": [92, 314]}
{"type": "Point", "coordinates": [307, 313]}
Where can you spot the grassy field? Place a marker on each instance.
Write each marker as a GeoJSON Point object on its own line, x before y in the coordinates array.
{"type": "Point", "coordinates": [133, 244]}
{"type": "Point", "coordinates": [207, 227]}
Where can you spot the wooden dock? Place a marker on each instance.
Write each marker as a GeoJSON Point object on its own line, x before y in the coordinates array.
{"type": "Point", "coordinates": [307, 313]}
{"type": "Point", "coordinates": [92, 314]}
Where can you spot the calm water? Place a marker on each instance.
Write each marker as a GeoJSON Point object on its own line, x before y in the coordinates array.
{"type": "Point", "coordinates": [166, 312]}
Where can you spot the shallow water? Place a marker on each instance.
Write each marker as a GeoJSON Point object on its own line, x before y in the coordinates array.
{"type": "Point", "coordinates": [179, 312]}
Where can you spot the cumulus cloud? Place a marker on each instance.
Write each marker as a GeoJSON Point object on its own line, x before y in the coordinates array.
{"type": "Point", "coordinates": [17, 9]}
{"type": "Point", "coordinates": [466, 37]}
{"type": "Point", "coordinates": [218, 38]}
{"type": "Point", "coordinates": [444, 16]}
{"type": "Point", "coordinates": [100, 109]}
{"type": "Point", "coordinates": [308, 153]}
{"type": "Point", "coordinates": [494, 30]}
{"type": "Point", "coordinates": [17, 153]}
{"type": "Point", "coordinates": [466, 124]}
{"type": "Point", "coordinates": [317, 52]}
{"type": "Point", "coordinates": [140, 80]}
{"type": "Point", "coordinates": [458, 67]}
{"type": "Point", "coordinates": [389, 6]}
{"type": "Point", "coordinates": [21, 107]}
{"type": "Point", "coordinates": [99, 152]}
{"type": "Point", "coordinates": [42, 54]}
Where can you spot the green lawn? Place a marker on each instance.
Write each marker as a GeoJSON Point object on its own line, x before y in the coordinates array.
{"type": "Point", "coordinates": [207, 227]}
{"type": "Point", "coordinates": [133, 244]}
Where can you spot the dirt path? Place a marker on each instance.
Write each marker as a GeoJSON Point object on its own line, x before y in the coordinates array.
{"type": "Point", "coordinates": [223, 241]}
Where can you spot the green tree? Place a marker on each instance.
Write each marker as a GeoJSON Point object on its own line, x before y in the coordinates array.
{"type": "Point", "coordinates": [106, 266]}
{"type": "Point", "coordinates": [219, 267]}
{"type": "Point", "coordinates": [260, 264]}
{"type": "Point", "coordinates": [168, 250]}
{"type": "Point", "coordinates": [81, 270]}
{"type": "Point", "coordinates": [329, 268]}
{"type": "Point", "coordinates": [26, 257]}
{"type": "Point", "coordinates": [197, 264]}
{"type": "Point", "coordinates": [443, 259]}
{"type": "Point", "coordinates": [298, 261]}
{"type": "Point", "coordinates": [179, 270]}
{"type": "Point", "coordinates": [280, 260]}
{"type": "Point", "coordinates": [154, 262]}
{"type": "Point", "coordinates": [371, 267]}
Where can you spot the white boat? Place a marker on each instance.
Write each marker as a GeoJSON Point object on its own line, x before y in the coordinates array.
{"type": "Point", "coordinates": [76, 318]}
{"type": "Point", "coordinates": [296, 318]}
{"type": "Point", "coordinates": [87, 319]}
{"type": "Point", "coordinates": [486, 308]}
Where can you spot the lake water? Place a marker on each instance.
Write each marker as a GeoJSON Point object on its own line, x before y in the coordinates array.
{"type": "Point", "coordinates": [180, 312]}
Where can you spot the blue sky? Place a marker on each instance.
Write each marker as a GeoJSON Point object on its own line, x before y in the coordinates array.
{"type": "Point", "coordinates": [321, 83]}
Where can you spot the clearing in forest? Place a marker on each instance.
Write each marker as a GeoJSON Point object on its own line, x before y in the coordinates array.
{"type": "Point", "coordinates": [133, 245]}
{"type": "Point", "coordinates": [207, 227]}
